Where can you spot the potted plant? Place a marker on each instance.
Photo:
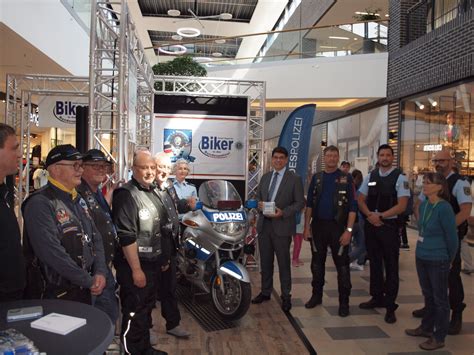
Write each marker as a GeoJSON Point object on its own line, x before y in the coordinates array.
{"type": "Point", "coordinates": [180, 66]}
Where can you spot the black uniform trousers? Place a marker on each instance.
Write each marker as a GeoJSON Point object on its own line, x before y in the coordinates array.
{"type": "Point", "coordinates": [383, 250]}
{"type": "Point", "coordinates": [456, 289]}
{"type": "Point", "coordinates": [137, 305]}
{"type": "Point", "coordinates": [167, 295]}
{"type": "Point", "coordinates": [327, 233]}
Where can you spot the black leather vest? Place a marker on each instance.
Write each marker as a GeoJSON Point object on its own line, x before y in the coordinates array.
{"type": "Point", "coordinates": [149, 224]}
{"type": "Point", "coordinates": [340, 201]}
{"type": "Point", "coordinates": [382, 193]}
{"type": "Point", "coordinates": [75, 234]}
{"type": "Point", "coordinates": [102, 220]}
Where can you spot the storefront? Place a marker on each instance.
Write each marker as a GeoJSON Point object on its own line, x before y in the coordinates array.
{"type": "Point", "coordinates": [434, 121]}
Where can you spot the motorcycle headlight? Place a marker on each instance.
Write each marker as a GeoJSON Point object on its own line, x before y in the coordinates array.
{"type": "Point", "coordinates": [229, 228]}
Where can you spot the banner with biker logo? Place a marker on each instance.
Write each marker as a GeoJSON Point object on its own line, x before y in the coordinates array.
{"type": "Point", "coordinates": [59, 111]}
{"type": "Point", "coordinates": [215, 146]}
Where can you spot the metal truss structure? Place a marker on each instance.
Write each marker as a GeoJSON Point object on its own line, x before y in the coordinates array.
{"type": "Point", "coordinates": [121, 90]}
{"type": "Point", "coordinates": [253, 90]}
{"type": "Point", "coordinates": [22, 90]}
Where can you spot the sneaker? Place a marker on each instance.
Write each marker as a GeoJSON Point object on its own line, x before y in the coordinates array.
{"type": "Point", "coordinates": [418, 332]}
{"type": "Point", "coordinates": [431, 344]}
{"type": "Point", "coordinates": [313, 301]}
{"type": "Point", "coordinates": [179, 332]}
{"type": "Point", "coordinates": [356, 267]}
{"type": "Point", "coordinates": [404, 247]}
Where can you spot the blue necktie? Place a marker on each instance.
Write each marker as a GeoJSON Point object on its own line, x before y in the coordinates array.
{"type": "Point", "coordinates": [272, 186]}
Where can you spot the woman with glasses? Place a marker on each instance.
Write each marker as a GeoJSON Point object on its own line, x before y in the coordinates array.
{"type": "Point", "coordinates": [435, 250]}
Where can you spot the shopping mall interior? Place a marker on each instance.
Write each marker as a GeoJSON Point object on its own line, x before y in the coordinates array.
{"type": "Point", "coordinates": [397, 72]}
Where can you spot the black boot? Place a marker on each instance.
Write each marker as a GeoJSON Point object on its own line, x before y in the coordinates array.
{"type": "Point", "coordinates": [455, 324]}
{"type": "Point", "coordinates": [419, 313]}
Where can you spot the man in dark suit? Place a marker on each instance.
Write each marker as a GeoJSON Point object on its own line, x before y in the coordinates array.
{"type": "Point", "coordinates": [285, 189]}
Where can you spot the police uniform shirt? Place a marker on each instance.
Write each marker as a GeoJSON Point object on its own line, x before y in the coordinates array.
{"type": "Point", "coordinates": [325, 209]}
{"type": "Point", "coordinates": [184, 189]}
{"type": "Point", "coordinates": [401, 186]}
{"type": "Point", "coordinates": [461, 190]}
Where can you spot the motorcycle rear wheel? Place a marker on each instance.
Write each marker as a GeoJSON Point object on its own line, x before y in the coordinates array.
{"type": "Point", "coordinates": [235, 301]}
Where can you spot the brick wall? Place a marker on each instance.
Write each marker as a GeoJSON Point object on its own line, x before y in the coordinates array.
{"type": "Point", "coordinates": [441, 57]}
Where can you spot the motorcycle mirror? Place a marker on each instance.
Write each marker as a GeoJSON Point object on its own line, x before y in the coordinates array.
{"type": "Point", "coordinates": [198, 205]}
{"type": "Point", "coordinates": [251, 204]}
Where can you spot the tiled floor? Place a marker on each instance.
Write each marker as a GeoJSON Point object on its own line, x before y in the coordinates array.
{"type": "Point", "coordinates": [266, 330]}
{"type": "Point", "coordinates": [364, 331]}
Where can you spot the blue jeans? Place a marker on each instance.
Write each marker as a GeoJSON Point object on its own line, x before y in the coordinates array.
{"type": "Point", "coordinates": [433, 277]}
{"type": "Point", "coordinates": [359, 252]}
{"type": "Point", "coordinates": [107, 301]}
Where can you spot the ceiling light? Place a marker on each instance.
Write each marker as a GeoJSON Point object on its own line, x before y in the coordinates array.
{"type": "Point", "coordinates": [355, 38]}
{"type": "Point", "coordinates": [366, 13]}
{"type": "Point", "coordinates": [331, 47]}
{"type": "Point", "coordinates": [336, 37]}
{"type": "Point", "coordinates": [177, 37]}
{"type": "Point", "coordinates": [188, 32]}
{"type": "Point", "coordinates": [216, 54]}
{"type": "Point", "coordinates": [174, 13]}
{"type": "Point", "coordinates": [225, 16]}
{"type": "Point", "coordinates": [386, 15]}
{"type": "Point", "coordinates": [420, 105]}
{"type": "Point", "coordinates": [220, 41]}
{"type": "Point", "coordinates": [181, 49]}
{"type": "Point", "coordinates": [433, 103]}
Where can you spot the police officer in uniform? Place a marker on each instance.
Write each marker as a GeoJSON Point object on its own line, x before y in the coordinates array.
{"type": "Point", "coordinates": [167, 278]}
{"type": "Point", "coordinates": [461, 202]}
{"type": "Point", "coordinates": [138, 214]}
{"type": "Point", "coordinates": [60, 234]}
{"type": "Point", "coordinates": [329, 218]}
{"type": "Point", "coordinates": [383, 195]}
{"type": "Point", "coordinates": [95, 166]}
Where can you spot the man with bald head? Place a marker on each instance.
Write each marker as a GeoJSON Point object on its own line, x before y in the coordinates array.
{"type": "Point", "coordinates": [461, 202]}
{"type": "Point", "coordinates": [137, 214]}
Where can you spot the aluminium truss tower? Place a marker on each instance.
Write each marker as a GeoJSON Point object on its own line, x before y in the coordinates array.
{"type": "Point", "coordinates": [117, 58]}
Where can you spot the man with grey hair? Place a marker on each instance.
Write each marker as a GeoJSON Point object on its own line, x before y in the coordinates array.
{"type": "Point", "coordinates": [167, 278]}
{"type": "Point", "coordinates": [137, 213]}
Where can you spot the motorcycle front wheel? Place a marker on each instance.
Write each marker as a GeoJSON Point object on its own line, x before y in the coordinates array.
{"type": "Point", "coordinates": [234, 302]}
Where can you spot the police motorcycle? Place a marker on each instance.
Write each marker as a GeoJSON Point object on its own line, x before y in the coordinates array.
{"type": "Point", "coordinates": [212, 244]}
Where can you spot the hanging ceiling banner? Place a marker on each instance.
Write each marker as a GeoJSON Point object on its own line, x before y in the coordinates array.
{"type": "Point", "coordinates": [214, 145]}
{"type": "Point", "coordinates": [59, 111]}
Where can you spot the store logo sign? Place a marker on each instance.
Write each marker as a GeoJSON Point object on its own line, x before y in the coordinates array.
{"type": "Point", "coordinates": [432, 147]}
{"type": "Point", "coordinates": [217, 147]}
{"type": "Point", "coordinates": [65, 111]}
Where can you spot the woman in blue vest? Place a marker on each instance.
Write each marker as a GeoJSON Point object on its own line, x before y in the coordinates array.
{"type": "Point", "coordinates": [435, 250]}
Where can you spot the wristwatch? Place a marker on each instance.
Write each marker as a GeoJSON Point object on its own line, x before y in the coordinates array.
{"type": "Point", "coordinates": [349, 229]}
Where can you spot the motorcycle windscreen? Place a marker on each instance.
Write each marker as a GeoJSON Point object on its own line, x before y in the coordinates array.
{"type": "Point", "coordinates": [220, 195]}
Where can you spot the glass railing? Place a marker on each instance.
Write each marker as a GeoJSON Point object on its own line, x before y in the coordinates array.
{"type": "Point", "coordinates": [323, 41]}
{"type": "Point", "coordinates": [81, 11]}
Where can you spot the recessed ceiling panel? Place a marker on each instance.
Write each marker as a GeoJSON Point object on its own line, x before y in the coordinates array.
{"type": "Point", "coordinates": [241, 10]}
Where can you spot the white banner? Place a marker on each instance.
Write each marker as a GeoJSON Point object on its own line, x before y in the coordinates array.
{"type": "Point", "coordinates": [215, 146]}
{"type": "Point", "coordinates": [59, 111]}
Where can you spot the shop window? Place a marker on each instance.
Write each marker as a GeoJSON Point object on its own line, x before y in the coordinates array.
{"type": "Point", "coordinates": [439, 120]}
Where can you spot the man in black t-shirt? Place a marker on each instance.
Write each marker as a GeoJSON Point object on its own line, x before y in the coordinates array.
{"type": "Point", "coordinates": [12, 265]}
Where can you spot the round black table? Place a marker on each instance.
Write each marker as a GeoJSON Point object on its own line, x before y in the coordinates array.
{"type": "Point", "coordinates": [92, 338]}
